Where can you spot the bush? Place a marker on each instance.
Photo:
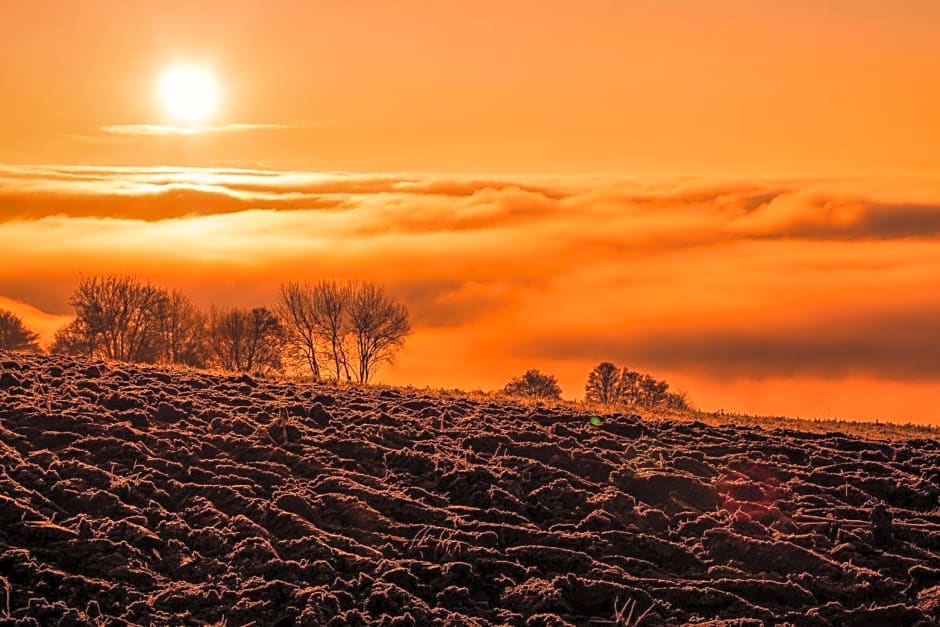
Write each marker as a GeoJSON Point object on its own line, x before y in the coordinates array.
{"type": "Point", "coordinates": [246, 340]}
{"type": "Point", "coordinates": [609, 386]}
{"type": "Point", "coordinates": [534, 384]}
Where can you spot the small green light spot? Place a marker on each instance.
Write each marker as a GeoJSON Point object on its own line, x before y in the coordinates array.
{"type": "Point", "coordinates": [596, 421]}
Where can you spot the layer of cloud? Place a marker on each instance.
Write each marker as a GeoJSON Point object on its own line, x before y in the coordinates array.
{"type": "Point", "coordinates": [706, 279]}
{"type": "Point", "coordinates": [606, 212]}
{"type": "Point", "coordinates": [153, 194]}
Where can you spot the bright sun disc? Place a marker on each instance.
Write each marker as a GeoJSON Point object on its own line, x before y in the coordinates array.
{"type": "Point", "coordinates": [189, 94]}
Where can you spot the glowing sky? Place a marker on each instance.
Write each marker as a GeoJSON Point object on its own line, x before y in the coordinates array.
{"type": "Point", "coordinates": [740, 197]}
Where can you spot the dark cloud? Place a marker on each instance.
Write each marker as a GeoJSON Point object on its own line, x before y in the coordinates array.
{"type": "Point", "coordinates": [901, 344]}
{"type": "Point", "coordinates": [868, 221]}
{"type": "Point", "coordinates": [732, 200]}
{"type": "Point", "coordinates": [47, 291]}
{"type": "Point", "coordinates": [455, 302]}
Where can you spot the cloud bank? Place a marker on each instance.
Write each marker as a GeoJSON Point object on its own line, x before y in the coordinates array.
{"type": "Point", "coordinates": [710, 280]}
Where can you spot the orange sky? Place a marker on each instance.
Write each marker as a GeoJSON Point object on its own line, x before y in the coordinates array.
{"type": "Point", "coordinates": [742, 197]}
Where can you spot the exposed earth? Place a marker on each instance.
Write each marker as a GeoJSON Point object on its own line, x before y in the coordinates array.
{"type": "Point", "coordinates": [146, 496]}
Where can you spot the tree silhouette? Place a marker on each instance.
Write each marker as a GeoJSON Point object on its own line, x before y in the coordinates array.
{"type": "Point", "coordinates": [14, 335]}
{"type": "Point", "coordinates": [602, 384]}
{"type": "Point", "coordinates": [246, 340]}
{"type": "Point", "coordinates": [331, 306]}
{"type": "Point", "coordinates": [378, 327]}
{"type": "Point", "coordinates": [534, 384]}
{"type": "Point", "coordinates": [122, 318]}
{"type": "Point", "coordinates": [183, 331]}
{"type": "Point", "coordinates": [635, 389]}
{"type": "Point", "coordinates": [349, 329]}
{"type": "Point", "coordinates": [301, 325]}
{"type": "Point", "coordinates": [117, 317]}
{"type": "Point", "coordinates": [628, 387]}
{"type": "Point", "coordinates": [652, 392]}
{"type": "Point", "coordinates": [72, 339]}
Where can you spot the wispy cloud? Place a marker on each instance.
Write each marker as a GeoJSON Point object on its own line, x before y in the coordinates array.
{"type": "Point", "coordinates": [137, 130]}
{"type": "Point", "coordinates": [98, 139]}
{"type": "Point", "coordinates": [126, 133]}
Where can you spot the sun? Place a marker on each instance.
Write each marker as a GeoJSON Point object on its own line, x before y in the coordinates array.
{"type": "Point", "coordinates": [190, 94]}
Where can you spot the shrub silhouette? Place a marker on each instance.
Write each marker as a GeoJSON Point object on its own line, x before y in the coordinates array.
{"type": "Point", "coordinates": [15, 336]}
{"type": "Point", "coordinates": [642, 390]}
{"type": "Point", "coordinates": [610, 386]}
{"type": "Point", "coordinates": [534, 384]}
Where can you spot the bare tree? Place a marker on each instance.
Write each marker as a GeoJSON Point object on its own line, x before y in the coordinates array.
{"type": "Point", "coordinates": [119, 317]}
{"type": "Point", "coordinates": [602, 384]}
{"type": "Point", "coordinates": [246, 340]}
{"type": "Point", "coordinates": [534, 384]}
{"type": "Point", "coordinates": [331, 324]}
{"type": "Point", "coordinates": [301, 329]}
{"type": "Point", "coordinates": [183, 331]}
{"type": "Point", "coordinates": [331, 307]}
{"type": "Point", "coordinates": [378, 327]}
{"type": "Point", "coordinates": [15, 336]}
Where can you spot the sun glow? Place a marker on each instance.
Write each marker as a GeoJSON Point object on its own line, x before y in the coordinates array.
{"type": "Point", "coordinates": [190, 95]}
